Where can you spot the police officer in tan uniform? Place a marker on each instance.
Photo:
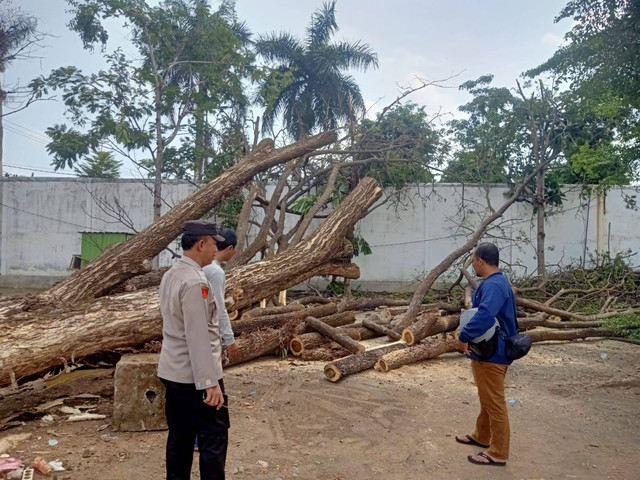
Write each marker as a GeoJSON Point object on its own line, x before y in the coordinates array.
{"type": "Point", "coordinates": [190, 363]}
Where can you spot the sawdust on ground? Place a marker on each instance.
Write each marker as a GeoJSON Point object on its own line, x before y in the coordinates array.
{"type": "Point", "coordinates": [574, 409]}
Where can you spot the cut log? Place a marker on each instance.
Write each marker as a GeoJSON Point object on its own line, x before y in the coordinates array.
{"type": "Point", "coordinates": [261, 312]}
{"type": "Point", "coordinates": [126, 259]}
{"type": "Point", "coordinates": [338, 369]}
{"type": "Point", "coordinates": [304, 342]}
{"type": "Point", "coordinates": [369, 303]}
{"type": "Point", "coordinates": [381, 329]}
{"type": "Point", "coordinates": [313, 340]}
{"type": "Point", "coordinates": [430, 348]}
{"type": "Point", "coordinates": [542, 335]}
{"type": "Point", "coordinates": [428, 325]}
{"type": "Point", "coordinates": [273, 321]}
{"type": "Point", "coordinates": [312, 299]}
{"type": "Point", "coordinates": [324, 354]}
{"type": "Point", "coordinates": [445, 307]}
{"type": "Point", "coordinates": [334, 334]}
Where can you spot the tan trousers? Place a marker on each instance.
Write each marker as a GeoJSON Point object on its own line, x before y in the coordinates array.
{"type": "Point", "coordinates": [492, 426]}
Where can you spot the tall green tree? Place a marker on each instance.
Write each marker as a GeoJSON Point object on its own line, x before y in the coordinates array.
{"type": "Point", "coordinates": [189, 63]}
{"type": "Point", "coordinates": [600, 61]}
{"type": "Point", "coordinates": [309, 86]}
{"type": "Point", "coordinates": [509, 133]}
{"type": "Point", "coordinates": [402, 147]}
{"type": "Point", "coordinates": [100, 165]}
{"type": "Point", "coordinates": [18, 34]}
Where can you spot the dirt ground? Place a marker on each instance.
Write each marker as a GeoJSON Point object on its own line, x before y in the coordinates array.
{"type": "Point", "coordinates": [574, 409]}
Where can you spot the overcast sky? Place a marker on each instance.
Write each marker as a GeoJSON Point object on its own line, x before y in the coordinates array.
{"type": "Point", "coordinates": [425, 39]}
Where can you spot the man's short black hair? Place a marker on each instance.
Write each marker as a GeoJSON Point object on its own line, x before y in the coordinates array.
{"type": "Point", "coordinates": [489, 253]}
{"type": "Point", "coordinates": [190, 239]}
{"type": "Point", "coordinates": [230, 238]}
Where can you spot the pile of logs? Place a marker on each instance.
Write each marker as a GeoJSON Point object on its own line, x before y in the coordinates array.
{"type": "Point", "coordinates": [330, 332]}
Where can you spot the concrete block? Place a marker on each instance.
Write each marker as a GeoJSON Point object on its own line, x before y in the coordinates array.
{"type": "Point", "coordinates": [138, 402]}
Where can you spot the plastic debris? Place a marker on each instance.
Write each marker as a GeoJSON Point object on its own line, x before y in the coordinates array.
{"type": "Point", "coordinates": [70, 410]}
{"type": "Point", "coordinates": [9, 464]}
{"type": "Point", "coordinates": [15, 475]}
{"type": "Point", "coordinates": [42, 466]}
{"type": "Point", "coordinates": [53, 442]}
{"type": "Point", "coordinates": [603, 356]}
{"type": "Point", "coordinates": [512, 400]}
{"type": "Point", "coordinates": [56, 466]}
{"type": "Point", "coordinates": [27, 474]}
{"type": "Point", "coordinates": [86, 416]}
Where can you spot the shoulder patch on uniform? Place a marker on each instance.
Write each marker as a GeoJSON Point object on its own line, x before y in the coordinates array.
{"type": "Point", "coordinates": [205, 291]}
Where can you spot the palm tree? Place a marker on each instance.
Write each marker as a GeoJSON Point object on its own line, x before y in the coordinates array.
{"type": "Point", "coordinates": [309, 86]}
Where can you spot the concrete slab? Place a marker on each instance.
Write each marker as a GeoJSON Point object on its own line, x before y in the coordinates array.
{"type": "Point", "coordinates": [138, 402]}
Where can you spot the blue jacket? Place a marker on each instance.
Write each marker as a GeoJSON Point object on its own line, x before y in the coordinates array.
{"type": "Point", "coordinates": [494, 298]}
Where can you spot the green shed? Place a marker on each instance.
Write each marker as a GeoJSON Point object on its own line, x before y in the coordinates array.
{"type": "Point", "coordinates": [94, 243]}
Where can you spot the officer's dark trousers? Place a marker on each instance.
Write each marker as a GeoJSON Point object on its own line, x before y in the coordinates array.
{"type": "Point", "coordinates": [188, 416]}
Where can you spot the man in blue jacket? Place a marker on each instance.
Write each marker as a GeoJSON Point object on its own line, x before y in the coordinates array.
{"type": "Point", "coordinates": [494, 298]}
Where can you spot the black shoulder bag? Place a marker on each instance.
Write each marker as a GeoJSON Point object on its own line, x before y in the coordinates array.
{"type": "Point", "coordinates": [518, 345]}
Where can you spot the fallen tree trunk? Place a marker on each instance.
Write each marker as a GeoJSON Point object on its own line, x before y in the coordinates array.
{"type": "Point", "coordinates": [334, 334]}
{"type": "Point", "coordinates": [395, 311]}
{"type": "Point", "coordinates": [324, 353]}
{"type": "Point", "coordinates": [370, 303]}
{"type": "Point", "coordinates": [543, 335]}
{"type": "Point", "coordinates": [308, 258]}
{"type": "Point", "coordinates": [311, 299]}
{"type": "Point", "coordinates": [265, 311]}
{"type": "Point", "coordinates": [239, 327]}
{"type": "Point", "coordinates": [338, 369]}
{"type": "Point", "coordinates": [35, 341]}
{"type": "Point", "coordinates": [128, 259]}
{"type": "Point", "coordinates": [433, 348]}
{"type": "Point", "coordinates": [423, 351]}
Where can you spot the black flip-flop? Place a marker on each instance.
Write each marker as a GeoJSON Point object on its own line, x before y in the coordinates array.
{"type": "Point", "coordinates": [472, 441]}
{"type": "Point", "coordinates": [490, 461]}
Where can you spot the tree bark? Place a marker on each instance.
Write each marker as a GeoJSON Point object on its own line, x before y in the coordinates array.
{"type": "Point", "coordinates": [542, 335]}
{"type": "Point", "coordinates": [334, 334]}
{"type": "Point", "coordinates": [125, 260]}
{"type": "Point", "coordinates": [310, 341]}
{"type": "Point", "coordinates": [262, 312]}
{"type": "Point", "coordinates": [429, 325]}
{"type": "Point", "coordinates": [305, 341]}
{"type": "Point", "coordinates": [326, 244]}
{"type": "Point", "coordinates": [434, 347]}
{"type": "Point", "coordinates": [370, 303]}
{"type": "Point", "coordinates": [423, 351]}
{"type": "Point", "coordinates": [381, 329]}
{"type": "Point", "coordinates": [273, 321]}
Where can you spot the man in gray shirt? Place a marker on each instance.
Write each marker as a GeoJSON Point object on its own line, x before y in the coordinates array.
{"type": "Point", "coordinates": [217, 279]}
{"type": "Point", "coordinates": [190, 364]}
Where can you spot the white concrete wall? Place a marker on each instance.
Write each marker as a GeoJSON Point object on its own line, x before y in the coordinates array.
{"type": "Point", "coordinates": [43, 220]}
